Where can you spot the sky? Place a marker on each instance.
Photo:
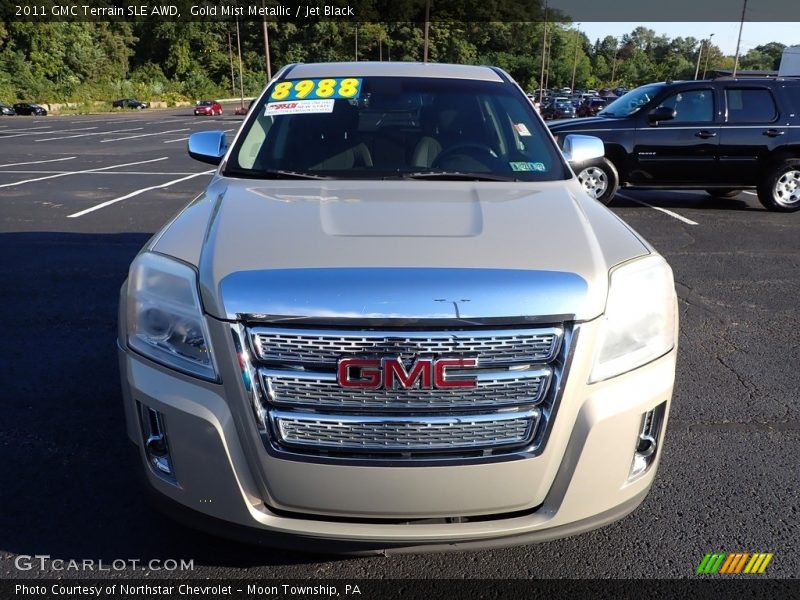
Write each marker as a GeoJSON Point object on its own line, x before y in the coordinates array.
{"type": "Point", "coordinates": [725, 34]}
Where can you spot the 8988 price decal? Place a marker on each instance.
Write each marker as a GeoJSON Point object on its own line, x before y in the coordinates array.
{"type": "Point", "coordinates": [311, 89]}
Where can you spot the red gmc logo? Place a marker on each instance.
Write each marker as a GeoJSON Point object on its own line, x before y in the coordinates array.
{"type": "Point", "coordinates": [391, 373]}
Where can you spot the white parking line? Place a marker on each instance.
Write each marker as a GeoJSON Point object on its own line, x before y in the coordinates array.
{"type": "Point", "coordinates": [29, 129]}
{"type": "Point", "coordinates": [141, 135]}
{"type": "Point", "coordinates": [36, 162]}
{"type": "Point", "coordinates": [141, 162]}
{"type": "Point", "coordinates": [136, 193]}
{"type": "Point", "coordinates": [69, 137]}
{"type": "Point", "coordinates": [186, 138]}
{"type": "Point", "coordinates": [46, 132]}
{"type": "Point", "coordinates": [148, 173]}
{"type": "Point", "coordinates": [674, 215]}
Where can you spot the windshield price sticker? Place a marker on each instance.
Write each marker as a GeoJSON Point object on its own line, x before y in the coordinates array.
{"type": "Point", "coordinates": [302, 89]}
{"type": "Point", "coordinates": [298, 107]}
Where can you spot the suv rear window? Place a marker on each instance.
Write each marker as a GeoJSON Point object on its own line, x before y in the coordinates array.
{"type": "Point", "coordinates": [750, 106]}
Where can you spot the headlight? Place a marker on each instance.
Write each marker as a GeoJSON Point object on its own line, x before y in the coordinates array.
{"type": "Point", "coordinates": [639, 321]}
{"type": "Point", "coordinates": [165, 321]}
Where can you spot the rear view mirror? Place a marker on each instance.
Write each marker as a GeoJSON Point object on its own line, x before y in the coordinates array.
{"type": "Point", "coordinates": [208, 146]}
{"type": "Point", "coordinates": [580, 148]}
{"type": "Point", "coordinates": [662, 113]}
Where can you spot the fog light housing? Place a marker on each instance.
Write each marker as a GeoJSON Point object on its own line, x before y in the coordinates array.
{"type": "Point", "coordinates": [647, 441]}
{"type": "Point", "coordinates": [155, 444]}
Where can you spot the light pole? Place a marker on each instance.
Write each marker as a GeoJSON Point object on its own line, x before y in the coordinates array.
{"type": "Point", "coordinates": [241, 75]}
{"type": "Point", "coordinates": [614, 64]}
{"type": "Point", "coordinates": [544, 55]}
{"type": "Point", "coordinates": [427, 31]}
{"type": "Point", "coordinates": [705, 66]}
{"type": "Point", "coordinates": [575, 61]}
{"type": "Point", "coordinates": [739, 40]}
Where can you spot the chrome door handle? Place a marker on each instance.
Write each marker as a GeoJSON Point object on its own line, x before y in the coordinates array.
{"type": "Point", "coordinates": [706, 134]}
{"type": "Point", "coordinates": [772, 132]}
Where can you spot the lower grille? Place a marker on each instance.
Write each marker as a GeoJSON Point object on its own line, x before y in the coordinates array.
{"type": "Point", "coordinates": [404, 434]}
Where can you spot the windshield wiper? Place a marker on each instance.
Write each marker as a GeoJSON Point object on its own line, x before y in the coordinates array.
{"type": "Point", "coordinates": [457, 176]}
{"type": "Point", "coordinates": [280, 174]}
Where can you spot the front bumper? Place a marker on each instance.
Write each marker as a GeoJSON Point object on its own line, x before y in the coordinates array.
{"type": "Point", "coordinates": [226, 480]}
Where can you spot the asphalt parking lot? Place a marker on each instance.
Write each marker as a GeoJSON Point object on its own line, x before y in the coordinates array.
{"type": "Point", "coordinates": [80, 195]}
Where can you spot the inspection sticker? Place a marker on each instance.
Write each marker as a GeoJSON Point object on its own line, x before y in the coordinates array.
{"type": "Point", "coordinates": [522, 129]}
{"type": "Point", "coordinates": [527, 166]}
{"type": "Point", "coordinates": [297, 107]}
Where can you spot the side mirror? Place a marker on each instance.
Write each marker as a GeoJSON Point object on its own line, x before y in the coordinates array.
{"type": "Point", "coordinates": [580, 148]}
{"type": "Point", "coordinates": [662, 113]}
{"type": "Point", "coordinates": [208, 146]}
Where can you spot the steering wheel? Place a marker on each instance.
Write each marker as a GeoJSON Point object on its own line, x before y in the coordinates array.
{"type": "Point", "coordinates": [468, 148]}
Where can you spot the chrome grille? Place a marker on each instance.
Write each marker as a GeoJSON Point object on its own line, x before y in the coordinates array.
{"type": "Point", "coordinates": [494, 390]}
{"type": "Point", "coordinates": [303, 411]}
{"type": "Point", "coordinates": [361, 433]}
{"type": "Point", "coordinates": [320, 347]}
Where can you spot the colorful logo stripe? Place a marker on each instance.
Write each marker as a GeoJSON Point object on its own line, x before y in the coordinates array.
{"type": "Point", "coordinates": [734, 563]}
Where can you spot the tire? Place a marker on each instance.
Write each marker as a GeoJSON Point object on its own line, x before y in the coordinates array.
{"type": "Point", "coordinates": [779, 190]}
{"type": "Point", "coordinates": [723, 193]}
{"type": "Point", "coordinates": [599, 179]}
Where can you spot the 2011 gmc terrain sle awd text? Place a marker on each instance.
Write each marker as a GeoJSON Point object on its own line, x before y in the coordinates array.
{"type": "Point", "coordinates": [394, 320]}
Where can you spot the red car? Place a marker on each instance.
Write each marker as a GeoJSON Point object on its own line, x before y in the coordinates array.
{"type": "Point", "coordinates": [208, 108]}
{"type": "Point", "coordinates": [591, 106]}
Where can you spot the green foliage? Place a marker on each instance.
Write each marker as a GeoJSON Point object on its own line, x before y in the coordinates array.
{"type": "Point", "coordinates": [174, 61]}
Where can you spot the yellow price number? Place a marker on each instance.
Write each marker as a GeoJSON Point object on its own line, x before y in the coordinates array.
{"type": "Point", "coordinates": [349, 87]}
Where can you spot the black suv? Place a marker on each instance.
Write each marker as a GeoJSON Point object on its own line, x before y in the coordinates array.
{"type": "Point", "coordinates": [720, 136]}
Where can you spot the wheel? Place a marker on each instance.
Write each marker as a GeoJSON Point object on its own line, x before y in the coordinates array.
{"type": "Point", "coordinates": [723, 193]}
{"type": "Point", "coordinates": [599, 179]}
{"type": "Point", "coordinates": [779, 190]}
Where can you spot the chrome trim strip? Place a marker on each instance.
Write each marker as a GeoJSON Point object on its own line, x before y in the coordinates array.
{"type": "Point", "coordinates": [411, 344]}
{"type": "Point", "coordinates": [400, 295]}
{"type": "Point", "coordinates": [495, 389]}
{"type": "Point", "coordinates": [346, 426]}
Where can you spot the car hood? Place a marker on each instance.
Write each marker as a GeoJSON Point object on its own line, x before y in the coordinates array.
{"type": "Point", "coordinates": [399, 250]}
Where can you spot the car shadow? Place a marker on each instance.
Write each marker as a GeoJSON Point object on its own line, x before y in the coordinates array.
{"type": "Point", "coordinates": [686, 199]}
{"type": "Point", "coordinates": [68, 487]}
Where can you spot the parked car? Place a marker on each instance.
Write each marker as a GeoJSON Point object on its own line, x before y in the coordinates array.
{"type": "Point", "coordinates": [6, 110]}
{"type": "Point", "coordinates": [208, 107]}
{"type": "Point", "coordinates": [560, 108]}
{"type": "Point", "coordinates": [396, 324]}
{"type": "Point", "coordinates": [27, 108]}
{"type": "Point", "coordinates": [721, 136]}
{"type": "Point", "coordinates": [129, 103]}
{"type": "Point", "coordinates": [591, 106]}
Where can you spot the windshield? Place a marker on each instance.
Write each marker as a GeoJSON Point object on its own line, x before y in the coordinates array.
{"type": "Point", "coordinates": [395, 127]}
{"type": "Point", "coordinates": [632, 101]}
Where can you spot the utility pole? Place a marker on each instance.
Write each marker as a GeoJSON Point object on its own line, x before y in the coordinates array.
{"type": "Point", "coordinates": [575, 62]}
{"type": "Point", "coordinates": [230, 56]}
{"type": "Point", "coordinates": [699, 54]}
{"type": "Point", "coordinates": [241, 75]}
{"type": "Point", "coordinates": [614, 65]}
{"type": "Point", "coordinates": [266, 45]}
{"type": "Point", "coordinates": [544, 55]}
{"type": "Point", "coordinates": [739, 40]}
{"type": "Point", "coordinates": [427, 30]}
{"type": "Point", "coordinates": [705, 66]}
